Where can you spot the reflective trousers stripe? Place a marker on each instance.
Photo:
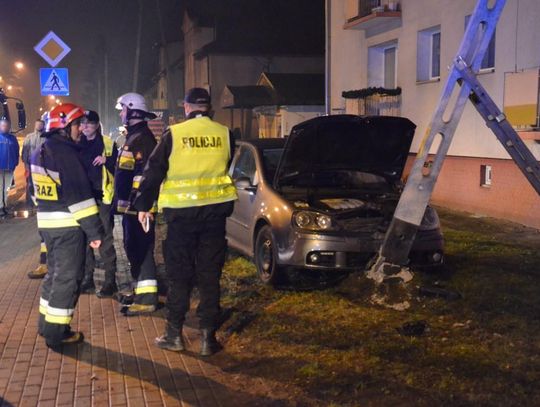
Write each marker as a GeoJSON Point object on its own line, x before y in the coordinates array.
{"type": "Point", "coordinates": [43, 248]}
{"type": "Point", "coordinates": [146, 287]}
{"type": "Point", "coordinates": [53, 319]}
{"type": "Point", "coordinates": [62, 316]}
{"type": "Point", "coordinates": [43, 304]}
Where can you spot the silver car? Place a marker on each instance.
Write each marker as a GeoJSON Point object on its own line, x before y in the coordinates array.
{"type": "Point", "coordinates": [323, 198]}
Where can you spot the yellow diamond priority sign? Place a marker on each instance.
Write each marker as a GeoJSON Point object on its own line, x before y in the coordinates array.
{"type": "Point", "coordinates": [52, 49]}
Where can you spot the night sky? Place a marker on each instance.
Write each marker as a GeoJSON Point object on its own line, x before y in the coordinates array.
{"type": "Point", "coordinates": [91, 28]}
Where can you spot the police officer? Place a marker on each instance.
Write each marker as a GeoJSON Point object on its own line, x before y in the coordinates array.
{"type": "Point", "coordinates": [132, 158]}
{"type": "Point", "coordinates": [67, 214]}
{"type": "Point", "coordinates": [99, 155]}
{"type": "Point", "coordinates": [190, 165]}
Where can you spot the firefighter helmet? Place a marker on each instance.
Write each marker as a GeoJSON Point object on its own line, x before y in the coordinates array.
{"type": "Point", "coordinates": [62, 115]}
{"type": "Point", "coordinates": [132, 101]}
{"type": "Point", "coordinates": [136, 107]}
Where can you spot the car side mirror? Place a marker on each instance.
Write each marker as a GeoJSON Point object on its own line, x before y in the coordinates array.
{"type": "Point", "coordinates": [244, 183]}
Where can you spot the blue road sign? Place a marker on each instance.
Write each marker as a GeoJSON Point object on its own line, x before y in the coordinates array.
{"type": "Point", "coordinates": [54, 81]}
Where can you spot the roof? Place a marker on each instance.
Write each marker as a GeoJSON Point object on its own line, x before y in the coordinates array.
{"type": "Point", "coordinates": [276, 89]}
{"type": "Point", "coordinates": [261, 27]}
{"type": "Point", "coordinates": [245, 97]}
{"type": "Point", "coordinates": [296, 89]}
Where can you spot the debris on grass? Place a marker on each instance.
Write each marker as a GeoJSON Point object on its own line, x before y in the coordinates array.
{"type": "Point", "coordinates": [439, 292]}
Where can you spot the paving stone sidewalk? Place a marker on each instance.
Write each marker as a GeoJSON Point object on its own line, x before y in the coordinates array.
{"type": "Point", "coordinates": [117, 365]}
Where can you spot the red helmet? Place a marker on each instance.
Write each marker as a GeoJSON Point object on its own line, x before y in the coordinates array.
{"type": "Point", "coordinates": [62, 115]}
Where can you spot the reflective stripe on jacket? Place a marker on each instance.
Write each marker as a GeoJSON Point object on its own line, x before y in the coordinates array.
{"type": "Point", "coordinates": [197, 174]}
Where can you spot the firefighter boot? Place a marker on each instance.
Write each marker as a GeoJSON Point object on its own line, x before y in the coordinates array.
{"type": "Point", "coordinates": [171, 340]}
{"type": "Point", "coordinates": [70, 338]}
{"type": "Point", "coordinates": [209, 343]}
{"type": "Point", "coordinates": [39, 272]}
{"type": "Point", "coordinates": [107, 290]}
{"type": "Point", "coordinates": [87, 284]}
{"type": "Point", "coordinates": [139, 309]}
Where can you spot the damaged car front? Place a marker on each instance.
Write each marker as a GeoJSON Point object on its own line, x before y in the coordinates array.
{"type": "Point", "coordinates": [341, 176]}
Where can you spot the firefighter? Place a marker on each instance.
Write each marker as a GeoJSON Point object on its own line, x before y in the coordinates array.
{"type": "Point", "coordinates": [99, 155]}
{"type": "Point", "coordinates": [67, 214]}
{"type": "Point", "coordinates": [132, 158]}
{"type": "Point", "coordinates": [190, 168]}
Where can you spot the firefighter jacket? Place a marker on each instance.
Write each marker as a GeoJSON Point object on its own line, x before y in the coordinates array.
{"type": "Point", "coordinates": [132, 158]}
{"type": "Point", "coordinates": [62, 189]}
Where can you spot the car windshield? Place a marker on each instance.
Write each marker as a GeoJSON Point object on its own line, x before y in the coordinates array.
{"type": "Point", "coordinates": [271, 158]}
{"type": "Point", "coordinates": [342, 179]}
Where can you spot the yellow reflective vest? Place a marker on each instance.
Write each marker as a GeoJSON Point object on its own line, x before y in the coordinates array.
{"type": "Point", "coordinates": [107, 177]}
{"type": "Point", "coordinates": [198, 166]}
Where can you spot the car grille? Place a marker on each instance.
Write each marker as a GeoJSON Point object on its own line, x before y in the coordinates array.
{"type": "Point", "coordinates": [339, 259]}
{"type": "Point", "coordinates": [361, 225]}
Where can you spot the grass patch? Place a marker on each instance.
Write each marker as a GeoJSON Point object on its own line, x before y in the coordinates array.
{"type": "Point", "coordinates": [340, 350]}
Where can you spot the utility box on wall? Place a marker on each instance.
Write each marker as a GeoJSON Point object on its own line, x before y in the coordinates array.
{"type": "Point", "coordinates": [521, 98]}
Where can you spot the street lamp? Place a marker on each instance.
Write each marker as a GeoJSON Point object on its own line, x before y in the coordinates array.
{"type": "Point", "coordinates": [19, 65]}
{"type": "Point", "coordinates": [10, 87]}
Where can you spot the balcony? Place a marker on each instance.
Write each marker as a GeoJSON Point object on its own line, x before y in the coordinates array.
{"type": "Point", "coordinates": [373, 16]}
{"type": "Point", "coordinates": [373, 102]}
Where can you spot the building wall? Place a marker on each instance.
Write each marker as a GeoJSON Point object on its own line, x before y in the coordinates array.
{"type": "Point", "coordinates": [245, 70]}
{"type": "Point", "coordinates": [278, 121]}
{"type": "Point", "coordinates": [510, 196]}
{"type": "Point", "coordinates": [159, 93]}
{"type": "Point", "coordinates": [293, 115]}
{"type": "Point", "coordinates": [195, 37]}
{"type": "Point", "coordinates": [516, 49]}
{"type": "Point", "coordinates": [472, 138]}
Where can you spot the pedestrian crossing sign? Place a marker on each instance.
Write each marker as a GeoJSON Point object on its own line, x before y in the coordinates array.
{"type": "Point", "coordinates": [54, 81]}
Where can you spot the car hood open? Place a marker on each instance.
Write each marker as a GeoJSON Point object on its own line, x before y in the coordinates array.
{"type": "Point", "coordinates": [375, 144]}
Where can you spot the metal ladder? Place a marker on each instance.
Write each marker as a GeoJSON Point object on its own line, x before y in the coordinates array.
{"type": "Point", "coordinates": [394, 252]}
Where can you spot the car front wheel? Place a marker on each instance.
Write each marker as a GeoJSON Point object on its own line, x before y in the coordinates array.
{"type": "Point", "coordinates": [265, 257]}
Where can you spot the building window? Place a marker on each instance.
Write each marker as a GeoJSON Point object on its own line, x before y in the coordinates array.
{"type": "Point", "coordinates": [485, 176]}
{"type": "Point", "coordinates": [428, 58]}
{"type": "Point", "coordinates": [435, 55]}
{"type": "Point", "coordinates": [489, 58]}
{"type": "Point", "coordinates": [382, 65]}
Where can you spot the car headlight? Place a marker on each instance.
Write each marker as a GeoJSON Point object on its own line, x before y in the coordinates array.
{"type": "Point", "coordinates": [430, 220]}
{"type": "Point", "coordinates": [313, 221]}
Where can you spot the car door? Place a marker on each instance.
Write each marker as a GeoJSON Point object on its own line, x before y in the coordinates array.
{"type": "Point", "coordinates": [239, 223]}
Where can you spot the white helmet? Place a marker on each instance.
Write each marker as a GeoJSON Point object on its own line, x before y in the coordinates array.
{"type": "Point", "coordinates": [132, 101]}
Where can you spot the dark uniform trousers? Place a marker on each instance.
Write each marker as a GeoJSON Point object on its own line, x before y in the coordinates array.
{"type": "Point", "coordinates": [139, 247]}
{"type": "Point", "coordinates": [194, 255]}
{"type": "Point", "coordinates": [42, 250]}
{"type": "Point", "coordinates": [106, 250]}
{"type": "Point", "coordinates": [60, 289]}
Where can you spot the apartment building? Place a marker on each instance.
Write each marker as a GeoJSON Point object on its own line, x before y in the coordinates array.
{"type": "Point", "coordinates": [391, 57]}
